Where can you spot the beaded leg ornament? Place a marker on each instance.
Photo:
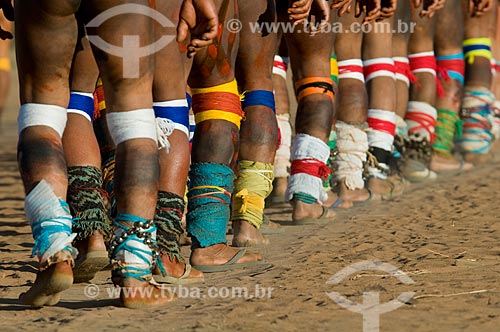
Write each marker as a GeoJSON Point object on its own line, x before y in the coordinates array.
{"type": "Point", "coordinates": [134, 250]}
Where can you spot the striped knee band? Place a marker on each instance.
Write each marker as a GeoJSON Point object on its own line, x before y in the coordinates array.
{"type": "Point", "coordinates": [477, 47]}
{"type": "Point", "coordinates": [221, 102]}
{"type": "Point", "coordinates": [280, 66]}
{"type": "Point", "coordinates": [451, 67]}
{"type": "Point", "coordinates": [314, 85]}
{"type": "Point", "coordinates": [177, 111]}
{"type": "Point", "coordinates": [424, 62]}
{"type": "Point", "coordinates": [82, 103]}
{"type": "Point", "coordinates": [351, 69]}
{"type": "Point", "coordinates": [334, 69]}
{"type": "Point", "coordinates": [252, 185]}
{"type": "Point", "coordinates": [403, 70]}
{"type": "Point", "coordinates": [379, 67]}
{"type": "Point", "coordinates": [42, 115]}
{"type": "Point", "coordinates": [259, 97]}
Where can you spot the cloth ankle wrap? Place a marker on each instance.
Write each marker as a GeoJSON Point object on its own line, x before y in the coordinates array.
{"type": "Point", "coordinates": [403, 70]}
{"type": "Point", "coordinates": [280, 66]}
{"type": "Point", "coordinates": [82, 103]}
{"type": "Point", "coordinates": [477, 47]}
{"type": "Point", "coordinates": [379, 67]}
{"type": "Point", "coordinates": [352, 69]}
{"type": "Point", "coordinates": [352, 145]}
{"type": "Point", "coordinates": [382, 125]}
{"type": "Point", "coordinates": [421, 119]}
{"type": "Point", "coordinates": [50, 222]}
{"type": "Point", "coordinates": [252, 186]}
{"type": "Point", "coordinates": [309, 170]}
{"type": "Point", "coordinates": [282, 158]}
{"type": "Point", "coordinates": [451, 67]}
{"type": "Point", "coordinates": [124, 126]}
{"type": "Point", "coordinates": [209, 196]}
{"type": "Point", "coordinates": [448, 126]}
{"type": "Point", "coordinates": [168, 219]}
{"type": "Point", "coordinates": [51, 116]}
{"type": "Point", "coordinates": [332, 145]}
{"type": "Point", "coordinates": [259, 98]}
{"type": "Point", "coordinates": [221, 102]}
{"type": "Point", "coordinates": [134, 251]}
{"type": "Point", "coordinates": [86, 199]}
{"type": "Point", "coordinates": [477, 121]}
{"type": "Point", "coordinates": [170, 115]}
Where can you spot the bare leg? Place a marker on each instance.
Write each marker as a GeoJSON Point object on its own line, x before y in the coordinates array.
{"type": "Point", "coordinates": [215, 146]}
{"type": "Point", "coordinates": [44, 80]}
{"type": "Point", "coordinates": [314, 114]}
{"type": "Point", "coordinates": [259, 130]}
{"type": "Point", "coordinates": [84, 166]}
{"type": "Point", "coordinates": [352, 106]}
{"type": "Point", "coordinates": [174, 162]}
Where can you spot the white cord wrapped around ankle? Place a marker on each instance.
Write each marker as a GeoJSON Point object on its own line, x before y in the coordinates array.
{"type": "Point", "coordinates": [352, 145]}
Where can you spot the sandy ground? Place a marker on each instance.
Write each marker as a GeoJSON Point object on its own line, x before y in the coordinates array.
{"type": "Point", "coordinates": [445, 236]}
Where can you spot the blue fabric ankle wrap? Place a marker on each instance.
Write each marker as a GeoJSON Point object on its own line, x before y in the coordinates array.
{"type": "Point", "coordinates": [209, 196]}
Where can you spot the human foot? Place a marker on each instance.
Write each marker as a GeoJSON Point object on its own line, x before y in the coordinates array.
{"type": "Point", "coordinates": [441, 163]}
{"type": "Point", "coordinates": [246, 235]}
{"type": "Point", "coordinates": [92, 257]}
{"type": "Point", "coordinates": [307, 213]}
{"type": "Point", "coordinates": [48, 285]}
{"type": "Point", "coordinates": [221, 257]}
{"type": "Point", "coordinates": [178, 273]}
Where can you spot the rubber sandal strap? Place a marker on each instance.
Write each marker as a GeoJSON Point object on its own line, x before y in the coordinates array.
{"type": "Point", "coordinates": [236, 257]}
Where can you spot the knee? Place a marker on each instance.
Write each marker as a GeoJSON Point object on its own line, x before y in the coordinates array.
{"type": "Point", "coordinates": [60, 7]}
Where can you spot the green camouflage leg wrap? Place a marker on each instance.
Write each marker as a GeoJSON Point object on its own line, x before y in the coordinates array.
{"type": "Point", "coordinates": [169, 211]}
{"type": "Point", "coordinates": [86, 200]}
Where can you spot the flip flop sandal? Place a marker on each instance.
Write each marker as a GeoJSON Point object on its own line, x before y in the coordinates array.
{"type": "Point", "coordinates": [229, 265]}
{"type": "Point", "coordinates": [87, 265]}
{"type": "Point", "coordinates": [182, 280]}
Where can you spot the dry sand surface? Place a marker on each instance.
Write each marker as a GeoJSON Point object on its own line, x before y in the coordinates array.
{"type": "Point", "coordinates": [444, 235]}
